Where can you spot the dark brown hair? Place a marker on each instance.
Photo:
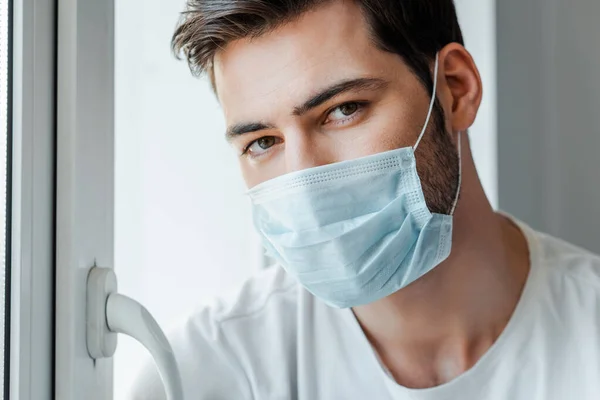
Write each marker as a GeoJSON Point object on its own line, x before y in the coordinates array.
{"type": "Point", "coordinates": [414, 29]}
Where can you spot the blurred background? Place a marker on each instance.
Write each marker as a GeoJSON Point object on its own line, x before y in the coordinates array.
{"type": "Point", "coordinates": [183, 227]}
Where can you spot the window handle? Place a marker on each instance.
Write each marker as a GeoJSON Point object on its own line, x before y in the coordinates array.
{"type": "Point", "coordinates": [110, 313]}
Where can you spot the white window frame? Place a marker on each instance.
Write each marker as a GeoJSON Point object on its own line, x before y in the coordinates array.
{"type": "Point", "coordinates": [32, 197]}
{"type": "Point", "coordinates": [85, 187]}
{"type": "Point", "coordinates": [62, 220]}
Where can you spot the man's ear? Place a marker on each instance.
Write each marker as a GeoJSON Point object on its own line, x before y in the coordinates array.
{"type": "Point", "coordinates": [462, 92]}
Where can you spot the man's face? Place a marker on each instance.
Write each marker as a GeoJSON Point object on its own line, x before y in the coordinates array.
{"type": "Point", "coordinates": [318, 91]}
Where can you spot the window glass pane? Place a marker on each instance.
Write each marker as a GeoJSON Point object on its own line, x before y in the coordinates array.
{"type": "Point", "coordinates": [183, 228]}
{"type": "Point", "coordinates": [4, 131]}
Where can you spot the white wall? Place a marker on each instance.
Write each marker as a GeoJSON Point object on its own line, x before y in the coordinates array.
{"type": "Point", "coordinates": [549, 125]}
{"type": "Point", "coordinates": [575, 175]}
{"type": "Point", "coordinates": [183, 230]}
{"type": "Point", "coordinates": [477, 19]}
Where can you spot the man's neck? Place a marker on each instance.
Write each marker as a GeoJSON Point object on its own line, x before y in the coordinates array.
{"type": "Point", "coordinates": [438, 327]}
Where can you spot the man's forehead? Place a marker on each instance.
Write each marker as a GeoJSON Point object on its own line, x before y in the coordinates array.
{"type": "Point", "coordinates": [295, 59]}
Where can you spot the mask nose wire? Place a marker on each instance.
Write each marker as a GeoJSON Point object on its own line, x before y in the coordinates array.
{"type": "Point", "coordinates": [433, 97]}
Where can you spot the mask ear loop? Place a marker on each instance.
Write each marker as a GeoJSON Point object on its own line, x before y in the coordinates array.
{"type": "Point", "coordinates": [459, 175]}
{"type": "Point", "coordinates": [433, 97]}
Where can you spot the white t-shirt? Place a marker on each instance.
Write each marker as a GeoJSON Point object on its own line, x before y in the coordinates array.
{"type": "Point", "coordinates": [274, 340]}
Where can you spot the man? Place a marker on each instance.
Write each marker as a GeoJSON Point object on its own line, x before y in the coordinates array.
{"type": "Point", "coordinates": [395, 277]}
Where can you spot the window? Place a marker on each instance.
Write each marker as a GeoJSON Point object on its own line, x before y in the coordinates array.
{"type": "Point", "coordinates": [183, 231]}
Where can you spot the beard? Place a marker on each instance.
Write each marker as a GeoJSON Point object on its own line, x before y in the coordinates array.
{"type": "Point", "coordinates": [438, 165]}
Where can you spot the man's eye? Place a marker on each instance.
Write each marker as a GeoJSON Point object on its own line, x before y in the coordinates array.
{"type": "Point", "coordinates": [343, 112]}
{"type": "Point", "coordinates": [260, 146]}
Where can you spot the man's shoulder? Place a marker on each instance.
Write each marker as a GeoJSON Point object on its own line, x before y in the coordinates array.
{"type": "Point", "coordinates": [564, 260]}
{"type": "Point", "coordinates": [262, 310]}
{"type": "Point", "coordinates": [211, 343]}
{"type": "Point", "coordinates": [269, 290]}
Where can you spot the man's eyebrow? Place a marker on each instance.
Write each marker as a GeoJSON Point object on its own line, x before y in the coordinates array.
{"type": "Point", "coordinates": [239, 129]}
{"type": "Point", "coordinates": [338, 88]}
{"type": "Point", "coordinates": [315, 101]}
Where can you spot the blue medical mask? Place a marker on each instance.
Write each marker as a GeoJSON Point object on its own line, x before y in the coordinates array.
{"type": "Point", "coordinates": [356, 231]}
